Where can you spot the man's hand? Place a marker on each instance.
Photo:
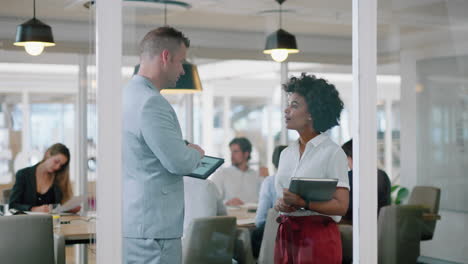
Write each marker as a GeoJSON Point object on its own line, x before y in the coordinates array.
{"type": "Point", "coordinates": [235, 202]}
{"type": "Point", "coordinates": [283, 207]}
{"type": "Point", "coordinates": [197, 148]}
{"type": "Point", "coordinates": [293, 199]}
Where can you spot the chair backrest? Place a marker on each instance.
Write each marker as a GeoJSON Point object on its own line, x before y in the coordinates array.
{"type": "Point", "coordinates": [26, 239]}
{"type": "Point", "coordinates": [243, 247]}
{"type": "Point", "coordinates": [267, 249]}
{"type": "Point", "coordinates": [6, 195]}
{"type": "Point", "coordinates": [346, 233]}
{"type": "Point", "coordinates": [399, 233]}
{"type": "Point", "coordinates": [428, 197]}
{"type": "Point", "coordinates": [210, 240]}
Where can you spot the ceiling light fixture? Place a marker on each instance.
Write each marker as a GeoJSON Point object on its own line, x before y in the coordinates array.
{"type": "Point", "coordinates": [34, 35]}
{"type": "Point", "coordinates": [280, 43]}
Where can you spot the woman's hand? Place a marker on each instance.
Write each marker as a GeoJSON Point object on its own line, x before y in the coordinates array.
{"type": "Point", "coordinates": [283, 207]}
{"type": "Point", "coordinates": [293, 199]}
{"type": "Point", "coordinates": [42, 208]}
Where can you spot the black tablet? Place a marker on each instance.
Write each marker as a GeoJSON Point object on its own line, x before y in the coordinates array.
{"type": "Point", "coordinates": [313, 189]}
{"type": "Point", "coordinates": [207, 167]}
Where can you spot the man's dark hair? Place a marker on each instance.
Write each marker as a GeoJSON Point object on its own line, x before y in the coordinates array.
{"type": "Point", "coordinates": [348, 148]}
{"type": "Point", "coordinates": [160, 39]}
{"type": "Point", "coordinates": [322, 98]}
{"type": "Point", "coordinates": [275, 158]}
{"type": "Point", "coordinates": [243, 143]}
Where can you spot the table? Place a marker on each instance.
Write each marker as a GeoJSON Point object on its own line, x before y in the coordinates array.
{"type": "Point", "coordinates": [244, 216]}
{"type": "Point", "coordinates": [79, 230]}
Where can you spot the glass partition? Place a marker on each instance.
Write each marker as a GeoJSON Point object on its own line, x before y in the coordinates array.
{"type": "Point", "coordinates": [424, 43]}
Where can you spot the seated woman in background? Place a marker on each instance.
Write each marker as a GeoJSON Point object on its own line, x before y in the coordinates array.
{"type": "Point", "coordinates": [45, 183]}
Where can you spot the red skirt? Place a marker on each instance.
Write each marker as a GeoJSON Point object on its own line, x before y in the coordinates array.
{"type": "Point", "coordinates": [307, 240]}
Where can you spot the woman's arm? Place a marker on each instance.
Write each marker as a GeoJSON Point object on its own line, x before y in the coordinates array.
{"type": "Point", "coordinates": [18, 192]}
{"type": "Point", "coordinates": [338, 205]}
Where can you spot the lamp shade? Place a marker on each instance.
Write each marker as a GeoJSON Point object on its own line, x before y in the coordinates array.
{"type": "Point", "coordinates": [187, 83]}
{"type": "Point", "coordinates": [34, 35]}
{"type": "Point", "coordinates": [34, 30]}
{"type": "Point", "coordinates": [279, 44]}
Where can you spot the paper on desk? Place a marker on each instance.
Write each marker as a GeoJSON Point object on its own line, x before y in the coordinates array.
{"type": "Point", "coordinates": [70, 204]}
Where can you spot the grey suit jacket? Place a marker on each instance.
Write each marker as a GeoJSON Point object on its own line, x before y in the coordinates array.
{"type": "Point", "coordinates": [154, 159]}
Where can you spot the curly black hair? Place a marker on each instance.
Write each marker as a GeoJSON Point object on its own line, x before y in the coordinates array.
{"type": "Point", "coordinates": [322, 98]}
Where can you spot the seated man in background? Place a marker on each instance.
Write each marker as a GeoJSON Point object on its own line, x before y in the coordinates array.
{"type": "Point", "coordinates": [266, 201]}
{"type": "Point", "coordinates": [383, 184]}
{"type": "Point", "coordinates": [238, 184]}
{"type": "Point", "coordinates": [202, 199]}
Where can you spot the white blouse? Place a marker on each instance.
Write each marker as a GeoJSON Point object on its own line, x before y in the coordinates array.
{"type": "Point", "coordinates": [322, 158]}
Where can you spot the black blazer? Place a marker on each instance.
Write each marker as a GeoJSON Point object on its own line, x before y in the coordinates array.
{"type": "Point", "coordinates": [23, 196]}
{"type": "Point", "coordinates": [383, 193]}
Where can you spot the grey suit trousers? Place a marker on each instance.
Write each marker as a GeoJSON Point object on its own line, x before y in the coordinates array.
{"type": "Point", "coordinates": [152, 251]}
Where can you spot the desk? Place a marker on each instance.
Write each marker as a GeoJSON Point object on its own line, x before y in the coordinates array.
{"type": "Point", "coordinates": [80, 230]}
{"type": "Point", "coordinates": [243, 216]}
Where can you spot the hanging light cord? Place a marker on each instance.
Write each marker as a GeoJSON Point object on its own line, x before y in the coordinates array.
{"type": "Point", "coordinates": [165, 13]}
{"type": "Point", "coordinates": [34, 9]}
{"type": "Point", "coordinates": [280, 15]}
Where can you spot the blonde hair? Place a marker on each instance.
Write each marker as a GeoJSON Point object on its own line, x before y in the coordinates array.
{"type": "Point", "coordinates": [62, 176]}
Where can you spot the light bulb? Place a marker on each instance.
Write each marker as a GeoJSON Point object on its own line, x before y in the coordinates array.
{"type": "Point", "coordinates": [34, 48]}
{"type": "Point", "coordinates": [279, 55]}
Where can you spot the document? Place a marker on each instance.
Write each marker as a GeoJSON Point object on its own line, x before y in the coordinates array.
{"type": "Point", "coordinates": [70, 204]}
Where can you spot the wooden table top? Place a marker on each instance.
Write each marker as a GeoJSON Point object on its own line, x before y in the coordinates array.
{"type": "Point", "coordinates": [82, 228]}
{"type": "Point", "coordinates": [245, 217]}
{"type": "Point", "coordinates": [78, 228]}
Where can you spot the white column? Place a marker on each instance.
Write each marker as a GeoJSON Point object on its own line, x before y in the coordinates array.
{"type": "Point", "coordinates": [81, 167]}
{"type": "Point", "coordinates": [26, 132]}
{"type": "Point", "coordinates": [208, 123]}
{"type": "Point", "coordinates": [388, 139]}
{"type": "Point", "coordinates": [109, 144]}
{"type": "Point", "coordinates": [189, 117]}
{"type": "Point", "coordinates": [270, 138]}
{"type": "Point", "coordinates": [226, 125]}
{"type": "Point", "coordinates": [284, 103]}
{"type": "Point", "coordinates": [365, 127]}
{"type": "Point", "coordinates": [82, 118]}
{"type": "Point", "coordinates": [408, 106]}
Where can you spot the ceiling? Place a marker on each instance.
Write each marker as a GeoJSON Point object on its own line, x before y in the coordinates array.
{"type": "Point", "coordinates": [227, 29]}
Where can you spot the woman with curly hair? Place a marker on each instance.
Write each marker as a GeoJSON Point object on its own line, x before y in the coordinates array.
{"type": "Point", "coordinates": [308, 231]}
{"type": "Point", "coordinates": [44, 184]}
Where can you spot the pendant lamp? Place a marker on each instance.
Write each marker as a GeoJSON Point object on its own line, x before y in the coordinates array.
{"type": "Point", "coordinates": [280, 43]}
{"type": "Point", "coordinates": [34, 35]}
{"type": "Point", "coordinates": [190, 81]}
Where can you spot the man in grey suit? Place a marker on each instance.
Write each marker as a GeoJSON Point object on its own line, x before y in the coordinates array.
{"type": "Point", "coordinates": [154, 154]}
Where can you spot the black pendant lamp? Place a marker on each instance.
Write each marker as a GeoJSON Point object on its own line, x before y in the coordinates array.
{"type": "Point", "coordinates": [190, 81]}
{"type": "Point", "coordinates": [34, 35]}
{"type": "Point", "coordinates": [280, 43]}
{"type": "Point", "coordinates": [187, 83]}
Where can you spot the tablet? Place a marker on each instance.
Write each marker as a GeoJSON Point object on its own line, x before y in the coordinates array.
{"type": "Point", "coordinates": [207, 167]}
{"type": "Point", "coordinates": [313, 189]}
